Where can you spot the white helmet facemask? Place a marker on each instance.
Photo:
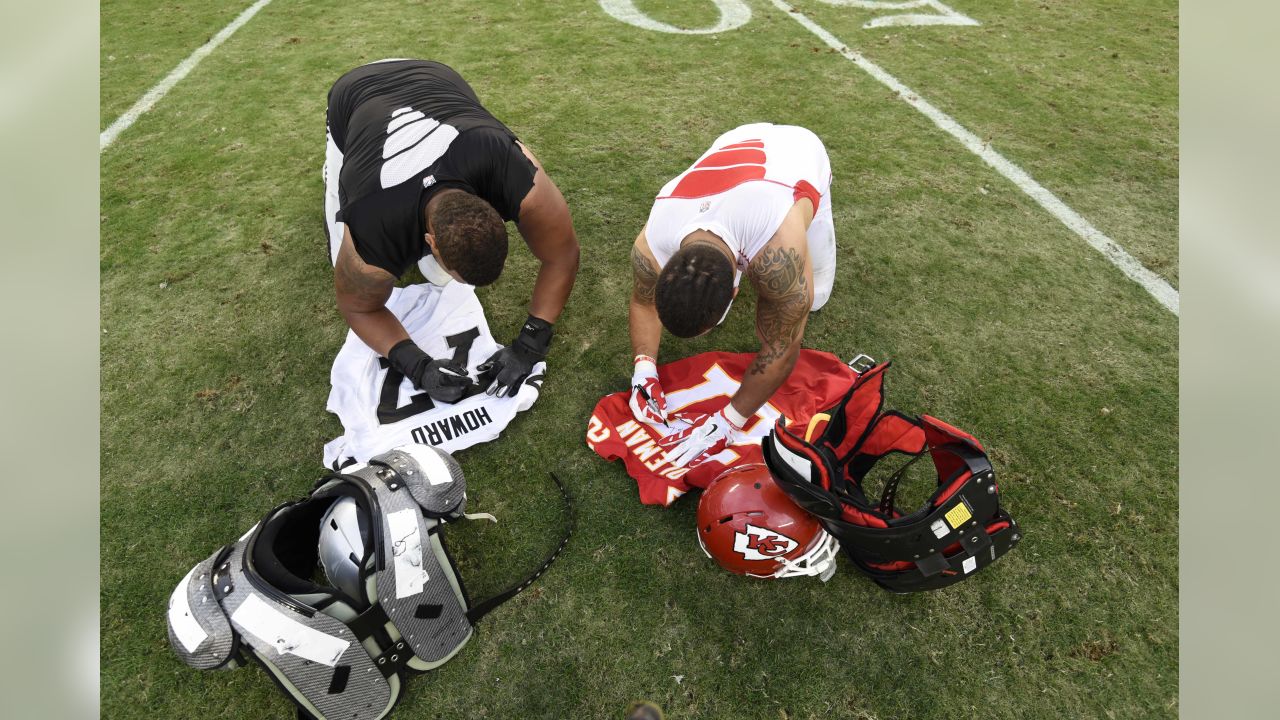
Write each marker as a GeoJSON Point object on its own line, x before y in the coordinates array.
{"type": "Point", "coordinates": [820, 560]}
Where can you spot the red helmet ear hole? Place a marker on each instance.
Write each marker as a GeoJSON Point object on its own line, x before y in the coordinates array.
{"type": "Point", "coordinates": [707, 529]}
{"type": "Point", "coordinates": [725, 519]}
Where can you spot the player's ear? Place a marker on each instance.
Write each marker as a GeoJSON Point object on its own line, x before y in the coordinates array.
{"type": "Point", "coordinates": [435, 253]}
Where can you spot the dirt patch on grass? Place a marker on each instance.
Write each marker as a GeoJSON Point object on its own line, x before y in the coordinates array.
{"type": "Point", "coordinates": [1096, 650]}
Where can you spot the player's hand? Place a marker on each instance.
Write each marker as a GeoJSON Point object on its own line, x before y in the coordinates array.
{"type": "Point", "coordinates": [648, 402]}
{"type": "Point", "coordinates": [443, 381]}
{"type": "Point", "coordinates": [440, 379]}
{"type": "Point", "coordinates": [701, 441]}
{"type": "Point", "coordinates": [507, 369]}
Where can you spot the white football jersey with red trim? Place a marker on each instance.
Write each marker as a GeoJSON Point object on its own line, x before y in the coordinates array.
{"type": "Point", "coordinates": [703, 384]}
{"type": "Point", "coordinates": [381, 409]}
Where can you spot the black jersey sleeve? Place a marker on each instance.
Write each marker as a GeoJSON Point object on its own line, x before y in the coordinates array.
{"type": "Point", "coordinates": [490, 161]}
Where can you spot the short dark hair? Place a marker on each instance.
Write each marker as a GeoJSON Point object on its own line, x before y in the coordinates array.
{"type": "Point", "coordinates": [694, 290]}
{"type": "Point", "coordinates": [470, 237]}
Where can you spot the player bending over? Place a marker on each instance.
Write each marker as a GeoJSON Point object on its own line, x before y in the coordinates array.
{"type": "Point", "coordinates": [417, 171]}
{"type": "Point", "coordinates": [757, 202]}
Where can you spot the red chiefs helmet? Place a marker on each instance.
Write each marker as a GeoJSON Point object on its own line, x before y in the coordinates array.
{"type": "Point", "coordinates": [749, 525]}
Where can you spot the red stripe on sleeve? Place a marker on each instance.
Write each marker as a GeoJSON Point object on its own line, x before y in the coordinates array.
{"type": "Point", "coordinates": [805, 190]}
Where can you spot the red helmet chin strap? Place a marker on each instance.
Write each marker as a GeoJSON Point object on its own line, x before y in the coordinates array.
{"type": "Point", "coordinates": [960, 529]}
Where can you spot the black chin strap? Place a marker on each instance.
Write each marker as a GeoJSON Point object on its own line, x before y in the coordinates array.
{"type": "Point", "coordinates": [891, 488]}
{"type": "Point", "coordinates": [481, 609]}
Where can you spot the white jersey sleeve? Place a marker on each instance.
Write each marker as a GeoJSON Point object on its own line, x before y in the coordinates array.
{"type": "Point", "coordinates": [380, 409]}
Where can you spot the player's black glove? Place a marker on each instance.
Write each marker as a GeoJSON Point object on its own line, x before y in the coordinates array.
{"type": "Point", "coordinates": [508, 368]}
{"type": "Point", "coordinates": [439, 379]}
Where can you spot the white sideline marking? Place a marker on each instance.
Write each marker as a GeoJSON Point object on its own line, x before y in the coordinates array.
{"type": "Point", "coordinates": [146, 102]}
{"type": "Point", "coordinates": [1159, 288]}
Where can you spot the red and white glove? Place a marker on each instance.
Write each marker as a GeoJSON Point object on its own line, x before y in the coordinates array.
{"type": "Point", "coordinates": [703, 439]}
{"type": "Point", "coordinates": [648, 402]}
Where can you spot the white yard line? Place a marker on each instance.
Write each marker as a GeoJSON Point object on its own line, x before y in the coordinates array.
{"type": "Point", "coordinates": [146, 102]}
{"type": "Point", "coordinates": [1159, 288]}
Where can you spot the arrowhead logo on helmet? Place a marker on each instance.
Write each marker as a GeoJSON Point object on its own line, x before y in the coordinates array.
{"type": "Point", "coordinates": [759, 543]}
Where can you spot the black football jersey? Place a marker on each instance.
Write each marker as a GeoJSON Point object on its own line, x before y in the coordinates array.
{"type": "Point", "coordinates": [407, 129]}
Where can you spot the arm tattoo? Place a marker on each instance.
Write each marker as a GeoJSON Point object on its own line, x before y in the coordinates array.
{"type": "Point", "coordinates": [783, 306]}
{"type": "Point", "coordinates": [364, 287]}
{"type": "Point", "coordinates": [646, 277]}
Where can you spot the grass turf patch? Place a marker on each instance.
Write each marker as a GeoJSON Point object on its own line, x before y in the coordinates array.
{"type": "Point", "coordinates": [219, 329]}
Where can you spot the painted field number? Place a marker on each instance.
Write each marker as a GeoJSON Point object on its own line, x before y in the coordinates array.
{"type": "Point", "coordinates": [736, 13]}
{"type": "Point", "coordinates": [733, 14]}
{"type": "Point", "coordinates": [941, 15]}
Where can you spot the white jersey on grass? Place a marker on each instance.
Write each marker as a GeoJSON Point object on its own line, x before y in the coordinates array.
{"type": "Point", "coordinates": [380, 409]}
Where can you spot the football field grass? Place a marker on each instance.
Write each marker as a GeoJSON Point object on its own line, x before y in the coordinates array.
{"type": "Point", "coordinates": [219, 328]}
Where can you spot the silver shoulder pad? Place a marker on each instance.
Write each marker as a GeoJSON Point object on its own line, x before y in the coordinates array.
{"type": "Point", "coordinates": [417, 585]}
{"type": "Point", "coordinates": [199, 630]}
{"type": "Point", "coordinates": [434, 478]}
{"type": "Point", "coordinates": [317, 659]}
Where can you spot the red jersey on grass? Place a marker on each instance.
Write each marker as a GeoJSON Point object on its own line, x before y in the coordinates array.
{"type": "Point", "coordinates": [703, 384]}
